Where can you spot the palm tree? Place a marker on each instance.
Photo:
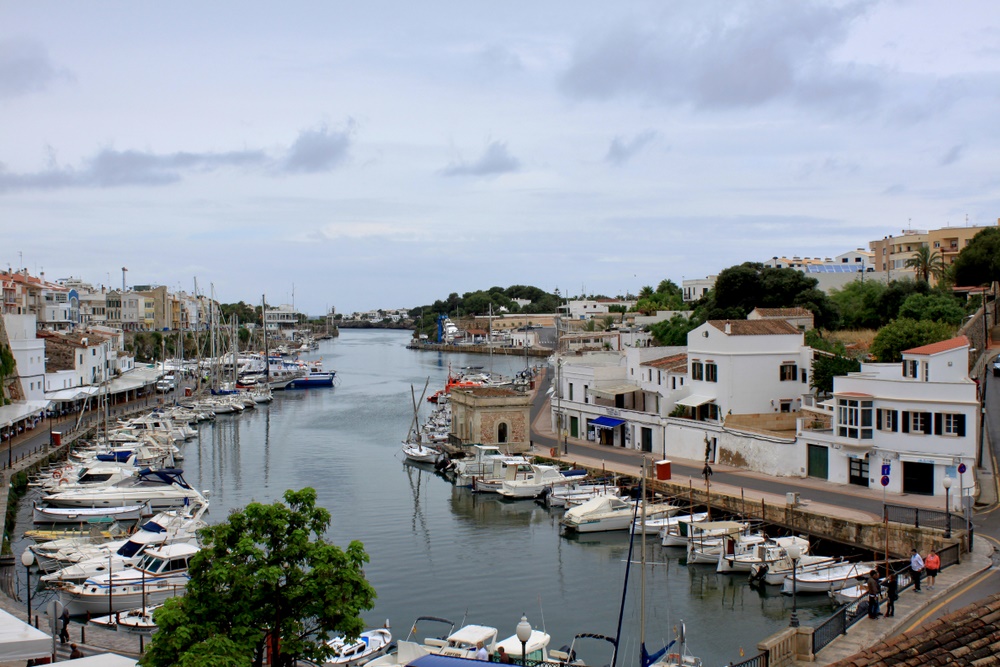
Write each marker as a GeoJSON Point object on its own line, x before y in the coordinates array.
{"type": "Point", "coordinates": [646, 292]}
{"type": "Point", "coordinates": [926, 263]}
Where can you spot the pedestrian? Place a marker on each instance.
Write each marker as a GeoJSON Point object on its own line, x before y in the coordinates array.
{"type": "Point", "coordinates": [891, 594]}
{"type": "Point", "coordinates": [64, 633]}
{"type": "Point", "coordinates": [916, 569]}
{"type": "Point", "coordinates": [481, 653]}
{"type": "Point", "coordinates": [75, 653]}
{"type": "Point", "coordinates": [932, 564]}
{"type": "Point", "coordinates": [873, 592]}
{"type": "Point", "coordinates": [502, 656]}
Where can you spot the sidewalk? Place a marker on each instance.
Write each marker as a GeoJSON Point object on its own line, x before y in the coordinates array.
{"type": "Point", "coordinates": [867, 632]}
{"type": "Point", "coordinates": [595, 457]}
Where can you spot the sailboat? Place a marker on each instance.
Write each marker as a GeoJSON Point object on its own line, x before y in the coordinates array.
{"type": "Point", "coordinates": [414, 448]}
{"type": "Point", "coordinates": [681, 657]}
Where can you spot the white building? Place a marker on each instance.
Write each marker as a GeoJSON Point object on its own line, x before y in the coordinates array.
{"type": "Point", "coordinates": [695, 288]}
{"type": "Point", "coordinates": [746, 367]}
{"type": "Point", "coordinates": [920, 418]}
{"type": "Point", "coordinates": [282, 320]}
{"type": "Point", "coordinates": [585, 309]}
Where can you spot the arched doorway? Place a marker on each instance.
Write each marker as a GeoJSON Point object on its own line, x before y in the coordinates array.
{"type": "Point", "coordinates": [502, 432]}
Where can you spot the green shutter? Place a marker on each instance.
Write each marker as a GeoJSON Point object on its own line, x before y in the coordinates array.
{"type": "Point", "coordinates": [906, 421]}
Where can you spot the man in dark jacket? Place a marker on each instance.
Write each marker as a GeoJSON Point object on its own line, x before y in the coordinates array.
{"type": "Point", "coordinates": [873, 592]}
{"type": "Point", "coordinates": [891, 594]}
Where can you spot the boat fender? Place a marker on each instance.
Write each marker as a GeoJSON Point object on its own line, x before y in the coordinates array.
{"type": "Point", "coordinates": [552, 452]}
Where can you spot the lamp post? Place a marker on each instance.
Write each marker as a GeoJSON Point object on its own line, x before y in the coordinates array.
{"type": "Point", "coordinates": [794, 552]}
{"type": "Point", "coordinates": [27, 560]}
{"type": "Point", "coordinates": [947, 507]}
{"type": "Point", "coordinates": [523, 632]}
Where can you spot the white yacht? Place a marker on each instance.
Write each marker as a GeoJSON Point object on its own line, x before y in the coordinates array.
{"type": "Point", "coordinates": [161, 574]}
{"type": "Point", "coordinates": [536, 480]}
{"type": "Point", "coordinates": [609, 513]}
{"type": "Point", "coordinates": [158, 489]}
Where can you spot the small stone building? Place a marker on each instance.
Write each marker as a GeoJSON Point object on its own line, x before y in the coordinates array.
{"type": "Point", "coordinates": [491, 416]}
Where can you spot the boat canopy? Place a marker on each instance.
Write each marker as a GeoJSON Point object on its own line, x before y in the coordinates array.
{"type": "Point", "coordinates": [164, 476]}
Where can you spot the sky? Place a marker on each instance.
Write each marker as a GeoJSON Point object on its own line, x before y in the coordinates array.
{"type": "Point", "coordinates": [386, 154]}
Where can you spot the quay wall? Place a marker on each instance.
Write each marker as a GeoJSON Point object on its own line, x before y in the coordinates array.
{"type": "Point", "coordinates": [866, 534]}
{"type": "Point", "coordinates": [481, 349]}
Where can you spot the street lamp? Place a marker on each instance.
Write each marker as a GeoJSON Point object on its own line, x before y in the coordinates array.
{"type": "Point", "coordinates": [523, 632]}
{"type": "Point", "coordinates": [794, 552]}
{"type": "Point", "coordinates": [27, 560]}
{"type": "Point", "coordinates": [947, 507]}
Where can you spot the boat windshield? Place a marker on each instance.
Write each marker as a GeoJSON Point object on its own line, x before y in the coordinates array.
{"type": "Point", "coordinates": [151, 564]}
{"type": "Point", "coordinates": [129, 549]}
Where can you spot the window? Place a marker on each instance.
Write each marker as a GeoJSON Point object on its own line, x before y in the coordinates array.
{"type": "Point", "coordinates": [909, 368]}
{"type": "Point", "coordinates": [950, 424]}
{"type": "Point", "coordinates": [854, 419]}
{"type": "Point", "coordinates": [673, 383]}
{"type": "Point", "coordinates": [786, 406]}
{"type": "Point", "coordinates": [805, 376]}
{"type": "Point", "coordinates": [697, 370]}
{"type": "Point", "coordinates": [571, 391]}
{"type": "Point", "coordinates": [586, 399]}
{"type": "Point", "coordinates": [788, 372]}
{"type": "Point", "coordinates": [887, 420]}
{"type": "Point", "coordinates": [918, 421]}
{"type": "Point", "coordinates": [711, 372]}
{"type": "Point", "coordinates": [927, 370]}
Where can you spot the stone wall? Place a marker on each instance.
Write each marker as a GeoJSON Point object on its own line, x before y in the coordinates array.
{"type": "Point", "coordinates": [766, 421]}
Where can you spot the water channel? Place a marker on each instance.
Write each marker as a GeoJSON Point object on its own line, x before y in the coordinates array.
{"type": "Point", "coordinates": [440, 550]}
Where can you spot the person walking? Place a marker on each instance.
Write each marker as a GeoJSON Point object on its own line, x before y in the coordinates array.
{"type": "Point", "coordinates": [891, 594]}
{"type": "Point", "coordinates": [64, 633]}
{"type": "Point", "coordinates": [932, 564]}
{"type": "Point", "coordinates": [873, 592]}
{"type": "Point", "coordinates": [916, 569]}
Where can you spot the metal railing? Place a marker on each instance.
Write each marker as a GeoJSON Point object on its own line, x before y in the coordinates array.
{"type": "Point", "coordinates": [759, 660]}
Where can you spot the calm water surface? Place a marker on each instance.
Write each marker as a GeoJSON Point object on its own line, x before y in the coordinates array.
{"type": "Point", "coordinates": [442, 551]}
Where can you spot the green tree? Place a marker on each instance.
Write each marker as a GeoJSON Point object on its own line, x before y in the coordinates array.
{"type": "Point", "coordinates": [934, 306]}
{"type": "Point", "coordinates": [646, 292]}
{"type": "Point", "coordinates": [904, 334]}
{"type": "Point", "coordinates": [926, 263]}
{"type": "Point", "coordinates": [979, 262]}
{"type": "Point", "coordinates": [740, 289]}
{"type": "Point", "coordinates": [673, 331]}
{"type": "Point", "coordinates": [265, 572]}
{"type": "Point", "coordinates": [825, 368]}
{"type": "Point", "coordinates": [858, 304]}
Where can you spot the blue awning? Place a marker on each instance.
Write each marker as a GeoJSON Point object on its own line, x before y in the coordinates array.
{"type": "Point", "coordinates": [607, 422]}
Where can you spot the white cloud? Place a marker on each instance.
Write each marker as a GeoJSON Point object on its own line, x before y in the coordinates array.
{"type": "Point", "coordinates": [495, 160]}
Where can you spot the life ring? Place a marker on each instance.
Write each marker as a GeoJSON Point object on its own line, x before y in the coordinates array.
{"type": "Point", "coordinates": [63, 481]}
{"type": "Point", "coordinates": [674, 657]}
{"type": "Point", "coordinates": [57, 474]}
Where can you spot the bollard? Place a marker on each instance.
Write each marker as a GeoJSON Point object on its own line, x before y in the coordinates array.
{"type": "Point", "coordinates": [83, 634]}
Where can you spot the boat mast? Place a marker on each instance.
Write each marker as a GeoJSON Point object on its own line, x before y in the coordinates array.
{"type": "Point", "coordinates": [267, 356]}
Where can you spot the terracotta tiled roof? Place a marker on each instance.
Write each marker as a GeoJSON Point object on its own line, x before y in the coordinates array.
{"type": "Point", "coordinates": [755, 327]}
{"type": "Point", "coordinates": [672, 362]}
{"type": "Point", "coordinates": [969, 636]}
{"type": "Point", "coordinates": [943, 346]}
{"type": "Point", "coordinates": [783, 312]}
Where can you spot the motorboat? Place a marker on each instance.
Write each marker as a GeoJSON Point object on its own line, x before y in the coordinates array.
{"type": "Point", "coordinates": [536, 648]}
{"type": "Point", "coordinates": [156, 489]}
{"type": "Point", "coordinates": [744, 554]}
{"type": "Point", "coordinates": [83, 562]}
{"type": "Point", "coordinates": [824, 579]}
{"type": "Point", "coordinates": [138, 620]}
{"type": "Point", "coordinates": [660, 524]}
{"type": "Point", "coordinates": [576, 493]}
{"type": "Point", "coordinates": [680, 656]}
{"type": "Point", "coordinates": [160, 574]}
{"type": "Point", "coordinates": [487, 462]}
{"type": "Point", "coordinates": [849, 594]}
{"type": "Point", "coordinates": [411, 648]}
{"type": "Point", "coordinates": [369, 644]}
{"type": "Point", "coordinates": [706, 538]}
{"type": "Point", "coordinates": [606, 513]}
{"type": "Point", "coordinates": [313, 375]}
{"type": "Point", "coordinates": [679, 533]}
{"type": "Point", "coordinates": [47, 514]}
{"type": "Point", "coordinates": [567, 655]}
{"type": "Point", "coordinates": [774, 573]}
{"type": "Point", "coordinates": [420, 453]}
{"type": "Point", "coordinates": [537, 480]}
{"type": "Point", "coordinates": [464, 642]}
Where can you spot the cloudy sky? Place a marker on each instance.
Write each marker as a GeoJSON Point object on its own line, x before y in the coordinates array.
{"type": "Point", "coordinates": [385, 154]}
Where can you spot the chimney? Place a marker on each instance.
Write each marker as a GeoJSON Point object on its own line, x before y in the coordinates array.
{"type": "Point", "coordinates": [729, 327]}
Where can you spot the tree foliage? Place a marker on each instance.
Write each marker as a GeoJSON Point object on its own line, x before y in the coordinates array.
{"type": "Point", "coordinates": [266, 572]}
{"type": "Point", "coordinates": [904, 334]}
{"type": "Point", "coordinates": [934, 306]}
{"type": "Point", "coordinates": [740, 289]}
{"type": "Point", "coordinates": [244, 311]}
{"type": "Point", "coordinates": [673, 331]}
{"type": "Point", "coordinates": [666, 296]}
{"type": "Point", "coordinates": [871, 304]}
{"type": "Point", "coordinates": [825, 368]}
{"type": "Point", "coordinates": [979, 262]}
{"type": "Point", "coordinates": [926, 263]}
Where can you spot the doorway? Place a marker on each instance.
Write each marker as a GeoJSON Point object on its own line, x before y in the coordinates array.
{"type": "Point", "coordinates": [819, 462]}
{"type": "Point", "coordinates": [918, 478]}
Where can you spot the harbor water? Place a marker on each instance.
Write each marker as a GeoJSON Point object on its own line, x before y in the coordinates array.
{"type": "Point", "coordinates": [443, 551]}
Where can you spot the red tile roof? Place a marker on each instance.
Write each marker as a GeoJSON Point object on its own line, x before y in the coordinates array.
{"type": "Point", "coordinates": [783, 312]}
{"type": "Point", "coordinates": [963, 638]}
{"type": "Point", "coordinates": [943, 346]}
{"type": "Point", "coordinates": [669, 362]}
{"type": "Point", "coordinates": [755, 327]}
